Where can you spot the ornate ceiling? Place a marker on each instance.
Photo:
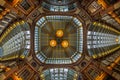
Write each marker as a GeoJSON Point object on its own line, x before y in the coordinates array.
{"type": "Point", "coordinates": [60, 39]}
{"type": "Point", "coordinates": [67, 45]}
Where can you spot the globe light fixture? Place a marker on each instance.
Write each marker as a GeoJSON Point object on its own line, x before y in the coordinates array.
{"type": "Point", "coordinates": [64, 43]}
{"type": "Point", "coordinates": [59, 33]}
{"type": "Point", "coordinates": [53, 43]}
{"type": "Point", "coordinates": [117, 40]}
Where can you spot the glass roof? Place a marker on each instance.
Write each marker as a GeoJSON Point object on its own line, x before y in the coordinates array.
{"type": "Point", "coordinates": [102, 40]}
{"type": "Point", "coordinates": [59, 8]}
{"type": "Point", "coordinates": [60, 1]}
{"type": "Point", "coordinates": [59, 74]}
{"type": "Point", "coordinates": [15, 41]}
{"type": "Point", "coordinates": [45, 31]}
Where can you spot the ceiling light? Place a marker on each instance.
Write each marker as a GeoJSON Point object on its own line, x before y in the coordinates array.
{"type": "Point", "coordinates": [59, 33]}
{"type": "Point", "coordinates": [65, 44]}
{"type": "Point", "coordinates": [53, 43]}
{"type": "Point", "coordinates": [116, 39]}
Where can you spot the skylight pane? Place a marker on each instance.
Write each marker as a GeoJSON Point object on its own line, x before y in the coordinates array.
{"type": "Point", "coordinates": [59, 74]}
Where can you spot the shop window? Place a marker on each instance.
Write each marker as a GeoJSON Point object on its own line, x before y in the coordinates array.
{"type": "Point", "coordinates": [25, 4]}
{"type": "Point", "coordinates": [94, 7]}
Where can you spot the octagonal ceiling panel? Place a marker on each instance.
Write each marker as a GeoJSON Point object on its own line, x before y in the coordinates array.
{"type": "Point", "coordinates": [58, 39]}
